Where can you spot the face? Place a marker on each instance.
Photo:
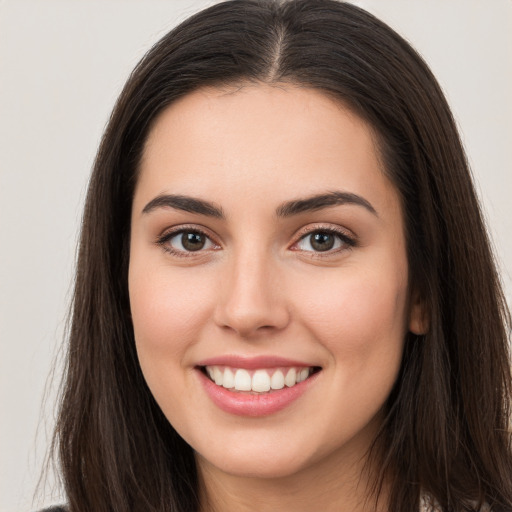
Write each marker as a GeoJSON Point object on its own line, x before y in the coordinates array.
{"type": "Point", "coordinates": [268, 278]}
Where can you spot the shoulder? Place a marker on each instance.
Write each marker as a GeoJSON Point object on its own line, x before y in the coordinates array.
{"type": "Point", "coordinates": [429, 504]}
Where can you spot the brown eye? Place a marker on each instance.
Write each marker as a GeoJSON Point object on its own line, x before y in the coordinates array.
{"type": "Point", "coordinates": [322, 241]}
{"type": "Point", "coordinates": [193, 241]}
{"type": "Point", "coordinates": [186, 241]}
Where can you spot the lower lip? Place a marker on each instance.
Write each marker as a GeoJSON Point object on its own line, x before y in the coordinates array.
{"type": "Point", "coordinates": [254, 405]}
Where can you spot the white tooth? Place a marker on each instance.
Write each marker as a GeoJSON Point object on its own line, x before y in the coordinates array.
{"type": "Point", "coordinates": [260, 381]}
{"type": "Point", "coordinates": [277, 380]}
{"type": "Point", "coordinates": [303, 374]}
{"type": "Point", "coordinates": [218, 376]}
{"type": "Point", "coordinates": [209, 370]}
{"type": "Point", "coordinates": [291, 377]}
{"type": "Point", "coordinates": [229, 379]}
{"type": "Point", "coordinates": [242, 380]}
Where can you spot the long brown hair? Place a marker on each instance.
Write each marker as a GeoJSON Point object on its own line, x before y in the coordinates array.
{"type": "Point", "coordinates": [446, 432]}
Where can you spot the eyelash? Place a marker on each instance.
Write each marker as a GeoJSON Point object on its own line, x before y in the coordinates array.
{"type": "Point", "coordinates": [348, 242]}
{"type": "Point", "coordinates": [163, 240]}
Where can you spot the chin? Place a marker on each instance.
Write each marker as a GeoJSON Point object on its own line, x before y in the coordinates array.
{"type": "Point", "coordinates": [270, 468]}
{"type": "Point", "coordinates": [256, 460]}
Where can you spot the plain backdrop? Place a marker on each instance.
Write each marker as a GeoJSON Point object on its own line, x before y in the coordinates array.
{"type": "Point", "coordinates": [62, 64]}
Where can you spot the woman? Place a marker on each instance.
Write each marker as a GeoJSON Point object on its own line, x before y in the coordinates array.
{"type": "Point", "coordinates": [285, 296]}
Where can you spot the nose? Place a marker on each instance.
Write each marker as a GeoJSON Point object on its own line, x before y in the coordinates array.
{"type": "Point", "coordinates": [252, 300]}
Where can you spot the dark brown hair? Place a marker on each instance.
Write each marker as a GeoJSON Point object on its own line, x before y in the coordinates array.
{"type": "Point", "coordinates": [446, 431]}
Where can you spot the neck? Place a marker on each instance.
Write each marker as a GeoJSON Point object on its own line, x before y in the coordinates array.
{"type": "Point", "coordinates": [329, 485]}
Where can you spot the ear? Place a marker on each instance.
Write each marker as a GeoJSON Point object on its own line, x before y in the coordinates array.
{"type": "Point", "coordinates": [419, 321]}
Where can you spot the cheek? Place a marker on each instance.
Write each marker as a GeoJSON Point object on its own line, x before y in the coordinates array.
{"type": "Point", "coordinates": [357, 315]}
{"type": "Point", "coordinates": [360, 320]}
{"type": "Point", "coordinates": [168, 311]}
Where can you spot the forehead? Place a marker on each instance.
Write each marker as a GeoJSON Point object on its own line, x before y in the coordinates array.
{"type": "Point", "coordinates": [264, 141]}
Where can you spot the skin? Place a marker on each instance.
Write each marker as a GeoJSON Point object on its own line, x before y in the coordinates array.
{"type": "Point", "coordinates": [259, 288]}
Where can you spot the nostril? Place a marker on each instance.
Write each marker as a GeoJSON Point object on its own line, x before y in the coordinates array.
{"type": "Point", "coordinates": [247, 323]}
{"type": "Point", "coordinates": [250, 302]}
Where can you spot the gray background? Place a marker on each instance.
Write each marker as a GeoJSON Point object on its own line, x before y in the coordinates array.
{"type": "Point", "coordinates": [62, 64]}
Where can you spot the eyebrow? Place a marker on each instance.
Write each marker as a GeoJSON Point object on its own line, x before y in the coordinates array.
{"type": "Point", "coordinates": [287, 209]}
{"type": "Point", "coordinates": [186, 204]}
{"type": "Point", "coordinates": [317, 202]}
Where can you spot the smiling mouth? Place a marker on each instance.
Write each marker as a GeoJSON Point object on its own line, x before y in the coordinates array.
{"type": "Point", "coordinates": [264, 380]}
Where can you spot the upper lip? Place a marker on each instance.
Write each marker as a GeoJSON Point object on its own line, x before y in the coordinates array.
{"type": "Point", "coordinates": [252, 363]}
